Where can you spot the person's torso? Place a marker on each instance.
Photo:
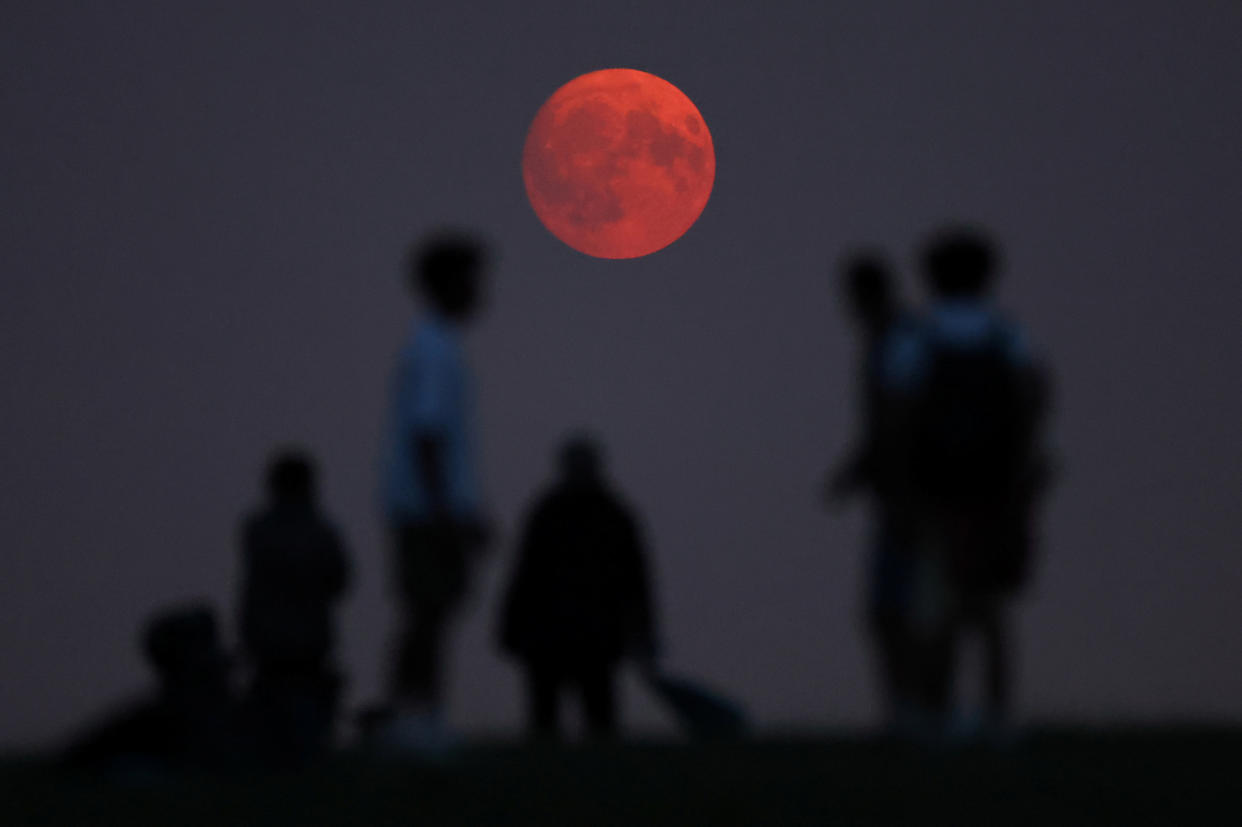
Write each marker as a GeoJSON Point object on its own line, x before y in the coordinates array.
{"type": "Point", "coordinates": [581, 571]}
{"type": "Point", "coordinates": [293, 573]}
{"type": "Point", "coordinates": [431, 392]}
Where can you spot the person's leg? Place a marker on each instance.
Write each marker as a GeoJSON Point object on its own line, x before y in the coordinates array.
{"type": "Point", "coordinates": [941, 670]}
{"type": "Point", "coordinates": [260, 704]}
{"type": "Point", "coordinates": [543, 694]}
{"type": "Point", "coordinates": [890, 656]}
{"type": "Point", "coordinates": [932, 632]}
{"type": "Point", "coordinates": [886, 614]}
{"type": "Point", "coordinates": [940, 656]}
{"type": "Point", "coordinates": [597, 685]}
{"type": "Point", "coordinates": [430, 588]}
{"type": "Point", "coordinates": [405, 656]}
{"type": "Point", "coordinates": [997, 661]}
{"type": "Point", "coordinates": [418, 680]}
{"type": "Point", "coordinates": [308, 698]}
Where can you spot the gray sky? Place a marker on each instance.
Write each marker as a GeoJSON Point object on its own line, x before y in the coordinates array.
{"type": "Point", "coordinates": [205, 207]}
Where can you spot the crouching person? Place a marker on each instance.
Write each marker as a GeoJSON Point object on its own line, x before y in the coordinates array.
{"type": "Point", "coordinates": [190, 721]}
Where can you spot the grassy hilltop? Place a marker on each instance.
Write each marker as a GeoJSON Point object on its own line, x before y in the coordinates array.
{"type": "Point", "coordinates": [1155, 776]}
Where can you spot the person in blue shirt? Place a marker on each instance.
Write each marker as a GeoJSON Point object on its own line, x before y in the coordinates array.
{"type": "Point", "coordinates": [430, 489]}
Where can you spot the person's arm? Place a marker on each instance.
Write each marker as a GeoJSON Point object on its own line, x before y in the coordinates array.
{"type": "Point", "coordinates": [1035, 395]}
{"type": "Point", "coordinates": [902, 365]}
{"type": "Point", "coordinates": [1034, 392]}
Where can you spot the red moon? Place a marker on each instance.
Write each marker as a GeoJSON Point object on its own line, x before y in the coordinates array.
{"type": "Point", "coordinates": [618, 163]}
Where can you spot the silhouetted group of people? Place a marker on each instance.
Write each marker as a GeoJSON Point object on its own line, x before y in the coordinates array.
{"type": "Point", "coordinates": [950, 457]}
{"type": "Point", "coordinates": [579, 598]}
{"type": "Point", "coordinates": [579, 601]}
{"type": "Point", "coordinates": [294, 572]}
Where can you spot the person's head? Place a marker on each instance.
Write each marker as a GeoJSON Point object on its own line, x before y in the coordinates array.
{"type": "Point", "coordinates": [291, 477]}
{"type": "Point", "coordinates": [581, 460]}
{"type": "Point", "coordinates": [960, 262]}
{"type": "Point", "coordinates": [868, 284]}
{"type": "Point", "coordinates": [182, 645]}
{"type": "Point", "coordinates": [447, 269]}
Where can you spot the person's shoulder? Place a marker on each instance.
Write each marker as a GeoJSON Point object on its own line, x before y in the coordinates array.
{"type": "Point", "coordinates": [434, 339]}
{"type": "Point", "coordinates": [255, 521]}
{"type": "Point", "coordinates": [419, 336]}
{"type": "Point", "coordinates": [960, 322]}
{"type": "Point", "coordinates": [974, 324]}
{"type": "Point", "coordinates": [620, 507]}
{"type": "Point", "coordinates": [560, 498]}
{"type": "Point", "coordinates": [323, 523]}
{"type": "Point", "coordinates": [1012, 337]}
{"type": "Point", "coordinates": [546, 502]}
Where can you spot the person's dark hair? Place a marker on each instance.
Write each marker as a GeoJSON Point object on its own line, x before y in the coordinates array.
{"type": "Point", "coordinates": [291, 476]}
{"type": "Point", "coordinates": [868, 283]}
{"type": "Point", "coordinates": [581, 456]}
{"type": "Point", "coordinates": [960, 261]}
{"type": "Point", "coordinates": [446, 268]}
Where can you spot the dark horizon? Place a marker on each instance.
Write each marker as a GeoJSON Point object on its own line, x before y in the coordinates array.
{"type": "Point", "coordinates": [203, 255]}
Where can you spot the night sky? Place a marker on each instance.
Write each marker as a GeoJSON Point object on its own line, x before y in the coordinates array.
{"type": "Point", "coordinates": [205, 210]}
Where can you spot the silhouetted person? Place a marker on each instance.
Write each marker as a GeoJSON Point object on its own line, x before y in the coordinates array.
{"type": "Point", "coordinates": [294, 573]}
{"type": "Point", "coordinates": [431, 493]}
{"type": "Point", "coordinates": [870, 300]}
{"type": "Point", "coordinates": [579, 599]}
{"type": "Point", "coordinates": [191, 720]}
{"type": "Point", "coordinates": [966, 424]}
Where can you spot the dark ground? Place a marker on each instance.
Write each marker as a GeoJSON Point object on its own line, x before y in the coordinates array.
{"type": "Point", "coordinates": [1052, 777]}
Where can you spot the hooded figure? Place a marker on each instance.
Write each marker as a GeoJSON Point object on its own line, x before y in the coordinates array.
{"type": "Point", "coordinates": [579, 599]}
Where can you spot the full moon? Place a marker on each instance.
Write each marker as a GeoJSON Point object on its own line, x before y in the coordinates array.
{"type": "Point", "coordinates": [618, 163]}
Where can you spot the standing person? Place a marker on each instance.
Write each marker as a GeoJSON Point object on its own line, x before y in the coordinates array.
{"type": "Point", "coordinates": [294, 573]}
{"type": "Point", "coordinates": [870, 301]}
{"type": "Point", "coordinates": [430, 489]}
{"type": "Point", "coordinates": [579, 598]}
{"type": "Point", "coordinates": [969, 402]}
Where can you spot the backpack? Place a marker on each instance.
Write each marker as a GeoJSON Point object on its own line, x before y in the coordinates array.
{"type": "Point", "coordinates": [969, 440]}
{"type": "Point", "coordinates": [972, 460]}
